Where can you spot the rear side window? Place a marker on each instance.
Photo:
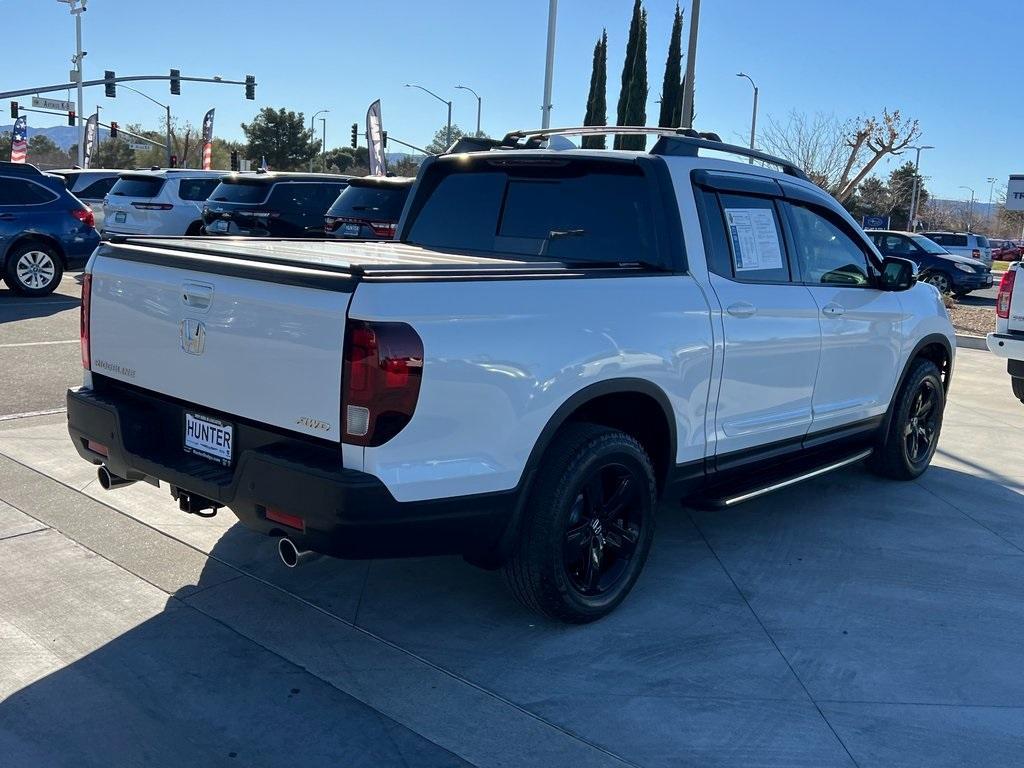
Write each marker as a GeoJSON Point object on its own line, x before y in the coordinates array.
{"type": "Point", "coordinates": [373, 203]}
{"type": "Point", "coordinates": [196, 189]}
{"type": "Point", "coordinates": [21, 192]}
{"type": "Point", "coordinates": [137, 186]}
{"type": "Point", "coordinates": [251, 192]}
{"type": "Point", "coordinates": [98, 189]}
{"type": "Point", "coordinates": [982, 241]}
{"type": "Point", "coordinates": [949, 240]}
{"type": "Point", "coordinates": [743, 237]}
{"type": "Point", "coordinates": [584, 211]}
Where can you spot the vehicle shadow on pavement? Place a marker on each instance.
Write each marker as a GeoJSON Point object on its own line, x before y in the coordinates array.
{"type": "Point", "coordinates": [891, 610]}
{"type": "Point", "coordinates": [14, 307]}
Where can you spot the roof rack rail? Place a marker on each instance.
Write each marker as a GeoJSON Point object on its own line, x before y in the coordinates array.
{"type": "Point", "coordinates": [689, 146]}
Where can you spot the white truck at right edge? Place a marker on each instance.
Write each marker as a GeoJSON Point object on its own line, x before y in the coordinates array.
{"type": "Point", "coordinates": [1008, 339]}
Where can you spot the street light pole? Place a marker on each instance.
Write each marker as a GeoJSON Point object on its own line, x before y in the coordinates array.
{"type": "Point", "coordinates": [912, 218]}
{"type": "Point", "coordinates": [991, 189]}
{"type": "Point", "coordinates": [970, 209]}
{"type": "Point", "coordinates": [323, 144]}
{"type": "Point", "coordinates": [446, 102]}
{"type": "Point", "coordinates": [77, 8]}
{"type": "Point", "coordinates": [691, 65]}
{"type": "Point", "coordinates": [753, 119]}
{"type": "Point", "coordinates": [167, 110]}
{"type": "Point", "coordinates": [479, 104]}
{"type": "Point", "coordinates": [312, 130]}
{"type": "Point", "coordinates": [549, 65]}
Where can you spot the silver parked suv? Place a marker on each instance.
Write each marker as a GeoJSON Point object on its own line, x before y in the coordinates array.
{"type": "Point", "coordinates": [963, 244]}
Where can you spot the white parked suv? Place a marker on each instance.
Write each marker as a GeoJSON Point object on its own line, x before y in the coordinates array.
{"type": "Point", "coordinates": [160, 202]}
{"type": "Point", "coordinates": [1008, 339]}
{"type": "Point", "coordinates": [559, 339]}
{"type": "Point", "coordinates": [965, 244]}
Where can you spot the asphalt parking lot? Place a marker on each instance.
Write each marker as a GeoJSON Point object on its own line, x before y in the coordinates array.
{"type": "Point", "coordinates": [847, 621]}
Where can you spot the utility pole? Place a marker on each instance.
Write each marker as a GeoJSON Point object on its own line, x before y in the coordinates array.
{"type": "Point", "coordinates": [549, 65]}
{"type": "Point", "coordinates": [691, 65]}
{"type": "Point", "coordinates": [753, 119]}
{"type": "Point", "coordinates": [991, 189]}
{"type": "Point", "coordinates": [77, 8]}
{"type": "Point", "coordinates": [970, 208]}
{"type": "Point", "coordinates": [912, 217]}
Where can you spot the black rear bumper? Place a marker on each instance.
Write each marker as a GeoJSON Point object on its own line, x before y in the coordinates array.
{"type": "Point", "coordinates": [346, 513]}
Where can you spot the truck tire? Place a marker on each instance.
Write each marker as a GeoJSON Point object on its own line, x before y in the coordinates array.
{"type": "Point", "coordinates": [907, 448]}
{"type": "Point", "coordinates": [33, 269]}
{"type": "Point", "coordinates": [587, 527]}
{"type": "Point", "coordinates": [1018, 387]}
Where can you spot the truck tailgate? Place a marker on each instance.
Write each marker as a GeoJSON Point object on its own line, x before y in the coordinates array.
{"type": "Point", "coordinates": [1015, 322]}
{"type": "Point", "coordinates": [264, 345]}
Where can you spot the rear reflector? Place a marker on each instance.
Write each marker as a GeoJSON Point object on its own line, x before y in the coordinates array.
{"type": "Point", "coordinates": [1005, 295]}
{"type": "Point", "coordinates": [97, 448]}
{"type": "Point", "coordinates": [84, 321]}
{"type": "Point", "coordinates": [292, 521]}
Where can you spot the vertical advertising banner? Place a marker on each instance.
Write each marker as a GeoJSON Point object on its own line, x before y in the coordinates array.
{"type": "Point", "coordinates": [375, 141]}
{"type": "Point", "coordinates": [90, 137]}
{"type": "Point", "coordinates": [19, 140]}
{"type": "Point", "coordinates": [208, 140]}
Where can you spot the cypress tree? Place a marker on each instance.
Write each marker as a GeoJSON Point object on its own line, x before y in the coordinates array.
{"type": "Point", "coordinates": [671, 91]}
{"type": "Point", "coordinates": [633, 97]}
{"type": "Point", "coordinates": [597, 107]}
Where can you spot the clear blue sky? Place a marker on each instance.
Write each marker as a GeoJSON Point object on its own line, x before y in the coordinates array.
{"type": "Point", "coordinates": [952, 65]}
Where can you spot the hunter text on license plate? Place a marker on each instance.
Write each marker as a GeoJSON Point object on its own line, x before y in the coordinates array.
{"type": "Point", "coordinates": [208, 438]}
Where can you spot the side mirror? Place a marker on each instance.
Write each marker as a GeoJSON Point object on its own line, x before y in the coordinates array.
{"type": "Point", "coordinates": [897, 274]}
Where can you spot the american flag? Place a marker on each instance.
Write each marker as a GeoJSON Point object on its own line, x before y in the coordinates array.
{"type": "Point", "coordinates": [207, 155]}
{"type": "Point", "coordinates": [19, 144]}
{"type": "Point", "coordinates": [208, 140]}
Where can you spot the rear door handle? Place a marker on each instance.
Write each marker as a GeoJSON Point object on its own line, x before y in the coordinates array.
{"type": "Point", "coordinates": [741, 309]}
{"type": "Point", "coordinates": [833, 310]}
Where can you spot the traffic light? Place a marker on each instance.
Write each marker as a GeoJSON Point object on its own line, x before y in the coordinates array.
{"type": "Point", "coordinates": [174, 161]}
{"type": "Point", "coordinates": [175, 82]}
{"type": "Point", "coordinates": [113, 129]}
{"type": "Point", "coordinates": [384, 139]}
{"type": "Point", "coordinates": [355, 135]}
{"type": "Point", "coordinates": [234, 160]}
{"type": "Point", "coordinates": [71, 117]}
{"type": "Point", "coordinates": [14, 110]}
{"type": "Point", "coordinates": [109, 87]}
{"type": "Point", "coordinates": [250, 87]}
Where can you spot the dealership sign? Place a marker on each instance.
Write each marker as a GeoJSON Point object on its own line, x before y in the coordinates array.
{"type": "Point", "coordinates": [1015, 193]}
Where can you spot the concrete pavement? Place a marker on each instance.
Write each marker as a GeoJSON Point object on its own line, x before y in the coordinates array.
{"type": "Point", "coordinates": [846, 621]}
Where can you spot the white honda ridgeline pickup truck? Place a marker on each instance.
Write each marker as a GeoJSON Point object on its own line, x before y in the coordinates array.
{"type": "Point", "coordinates": [559, 339]}
{"type": "Point", "coordinates": [1008, 339]}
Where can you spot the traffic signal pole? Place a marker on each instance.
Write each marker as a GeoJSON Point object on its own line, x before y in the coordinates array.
{"type": "Point", "coordinates": [129, 79]}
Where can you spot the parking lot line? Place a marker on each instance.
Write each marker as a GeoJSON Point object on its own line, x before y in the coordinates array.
{"type": "Point", "coordinates": [38, 343]}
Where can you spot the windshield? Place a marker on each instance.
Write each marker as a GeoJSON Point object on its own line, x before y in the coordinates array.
{"type": "Point", "coordinates": [240, 192]}
{"type": "Point", "coordinates": [137, 186]}
{"type": "Point", "coordinates": [574, 210]}
{"type": "Point", "coordinates": [373, 203]}
{"type": "Point", "coordinates": [929, 246]}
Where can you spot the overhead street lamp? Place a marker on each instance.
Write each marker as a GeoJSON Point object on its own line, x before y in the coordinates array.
{"type": "Point", "coordinates": [312, 130]}
{"type": "Point", "coordinates": [912, 217]}
{"type": "Point", "coordinates": [753, 119]}
{"type": "Point", "coordinates": [159, 104]}
{"type": "Point", "coordinates": [479, 104]}
{"type": "Point", "coordinates": [447, 103]}
{"type": "Point", "coordinates": [77, 8]}
{"type": "Point", "coordinates": [970, 209]}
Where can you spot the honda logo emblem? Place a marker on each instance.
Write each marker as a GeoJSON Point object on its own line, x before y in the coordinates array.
{"type": "Point", "coordinates": [193, 336]}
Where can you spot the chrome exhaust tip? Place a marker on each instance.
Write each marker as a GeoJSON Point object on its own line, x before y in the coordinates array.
{"type": "Point", "coordinates": [109, 480]}
{"type": "Point", "coordinates": [292, 556]}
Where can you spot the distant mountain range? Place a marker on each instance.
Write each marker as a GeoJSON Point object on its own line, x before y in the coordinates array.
{"type": "Point", "coordinates": [61, 135]}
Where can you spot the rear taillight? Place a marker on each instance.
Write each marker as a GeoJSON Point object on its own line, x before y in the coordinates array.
{"type": "Point", "coordinates": [331, 223]}
{"type": "Point", "coordinates": [382, 372]}
{"type": "Point", "coordinates": [1005, 295]}
{"type": "Point", "coordinates": [976, 253]}
{"type": "Point", "coordinates": [85, 215]}
{"type": "Point", "coordinates": [382, 228]}
{"type": "Point", "coordinates": [84, 322]}
{"type": "Point", "coordinates": [152, 206]}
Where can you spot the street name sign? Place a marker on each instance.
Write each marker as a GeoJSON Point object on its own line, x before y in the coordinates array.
{"type": "Point", "coordinates": [59, 106]}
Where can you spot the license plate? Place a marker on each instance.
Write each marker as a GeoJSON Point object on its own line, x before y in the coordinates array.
{"type": "Point", "coordinates": [209, 438]}
{"type": "Point", "coordinates": [350, 230]}
{"type": "Point", "coordinates": [119, 217]}
{"type": "Point", "coordinates": [219, 226]}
